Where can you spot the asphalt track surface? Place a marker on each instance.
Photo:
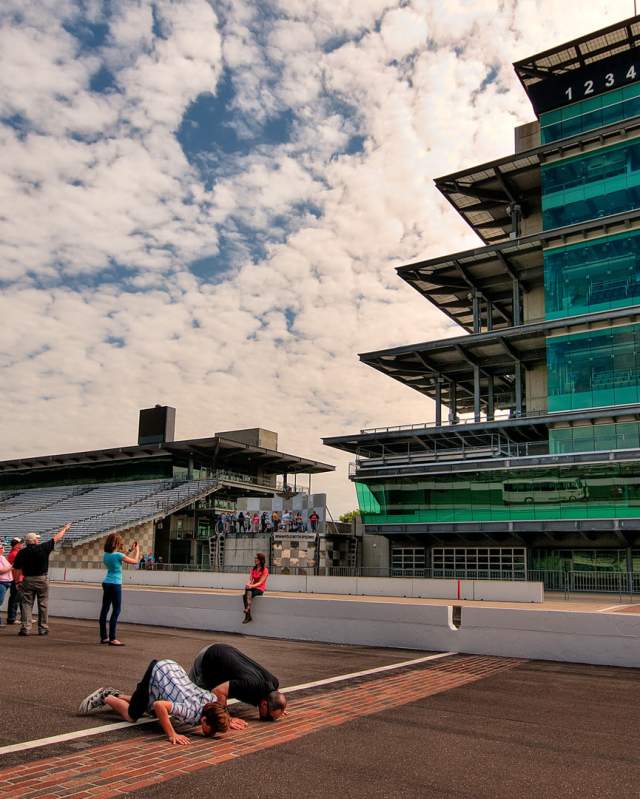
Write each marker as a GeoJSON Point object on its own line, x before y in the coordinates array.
{"type": "Point", "coordinates": [530, 729]}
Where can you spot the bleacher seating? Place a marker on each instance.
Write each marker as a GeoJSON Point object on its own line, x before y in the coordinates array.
{"type": "Point", "coordinates": [94, 509]}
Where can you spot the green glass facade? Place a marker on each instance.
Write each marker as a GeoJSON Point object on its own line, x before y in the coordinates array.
{"type": "Point", "coordinates": [592, 438]}
{"type": "Point", "coordinates": [594, 369]}
{"type": "Point", "coordinates": [592, 276]}
{"type": "Point", "coordinates": [602, 491]}
{"type": "Point", "coordinates": [589, 114]}
{"type": "Point", "coordinates": [591, 186]}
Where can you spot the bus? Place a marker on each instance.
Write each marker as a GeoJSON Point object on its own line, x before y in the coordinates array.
{"type": "Point", "coordinates": [544, 489]}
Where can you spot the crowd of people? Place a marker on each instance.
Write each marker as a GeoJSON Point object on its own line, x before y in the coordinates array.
{"type": "Point", "coordinates": [287, 521]}
{"type": "Point", "coordinates": [197, 699]}
{"type": "Point", "coordinates": [24, 576]}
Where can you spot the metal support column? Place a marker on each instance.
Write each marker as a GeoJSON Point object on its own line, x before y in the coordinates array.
{"type": "Point", "coordinates": [475, 300]}
{"type": "Point", "coordinates": [453, 403]}
{"type": "Point", "coordinates": [490, 399]}
{"type": "Point", "coordinates": [439, 382]}
{"type": "Point", "coordinates": [489, 317]}
{"type": "Point", "coordinates": [517, 313]}
{"type": "Point", "coordinates": [476, 393]}
{"type": "Point", "coordinates": [518, 389]}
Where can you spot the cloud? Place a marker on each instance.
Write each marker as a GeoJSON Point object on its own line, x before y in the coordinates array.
{"type": "Point", "coordinates": [239, 286]}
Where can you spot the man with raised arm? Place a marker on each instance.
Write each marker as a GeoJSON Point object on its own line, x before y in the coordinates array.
{"type": "Point", "coordinates": [32, 564]}
{"type": "Point", "coordinates": [230, 674]}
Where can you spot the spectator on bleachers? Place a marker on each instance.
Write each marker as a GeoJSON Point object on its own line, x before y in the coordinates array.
{"type": "Point", "coordinates": [275, 521]}
{"type": "Point", "coordinates": [313, 520]}
{"type": "Point", "coordinates": [143, 563]}
{"type": "Point", "coordinates": [14, 599]}
{"type": "Point", "coordinates": [113, 559]}
{"type": "Point", "coordinates": [6, 572]}
{"type": "Point", "coordinates": [255, 523]}
{"type": "Point", "coordinates": [32, 563]}
{"type": "Point", "coordinates": [263, 522]}
{"type": "Point", "coordinates": [241, 522]}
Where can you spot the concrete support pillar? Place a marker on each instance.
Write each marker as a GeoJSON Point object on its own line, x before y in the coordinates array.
{"type": "Point", "coordinates": [517, 312]}
{"type": "Point", "coordinates": [489, 317]}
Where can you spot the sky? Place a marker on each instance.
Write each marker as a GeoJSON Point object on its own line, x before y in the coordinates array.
{"type": "Point", "coordinates": [202, 204]}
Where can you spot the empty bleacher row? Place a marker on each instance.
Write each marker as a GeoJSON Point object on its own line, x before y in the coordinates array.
{"type": "Point", "coordinates": [94, 509]}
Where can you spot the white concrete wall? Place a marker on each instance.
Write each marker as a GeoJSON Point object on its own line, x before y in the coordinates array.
{"type": "Point", "coordinates": [599, 638]}
{"type": "Point", "coordinates": [358, 586]}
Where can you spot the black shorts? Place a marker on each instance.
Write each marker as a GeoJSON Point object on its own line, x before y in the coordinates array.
{"type": "Point", "coordinates": [255, 591]}
{"type": "Point", "coordinates": [140, 697]}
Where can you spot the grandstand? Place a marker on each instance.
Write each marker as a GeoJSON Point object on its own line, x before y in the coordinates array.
{"type": "Point", "coordinates": [164, 493]}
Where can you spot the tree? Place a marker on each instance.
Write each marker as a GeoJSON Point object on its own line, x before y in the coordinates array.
{"type": "Point", "coordinates": [350, 516]}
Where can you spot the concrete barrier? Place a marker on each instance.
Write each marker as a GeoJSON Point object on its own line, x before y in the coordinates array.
{"type": "Point", "coordinates": [498, 590]}
{"type": "Point", "coordinates": [598, 638]}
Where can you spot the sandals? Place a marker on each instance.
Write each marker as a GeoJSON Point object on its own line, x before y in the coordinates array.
{"type": "Point", "coordinates": [115, 642]}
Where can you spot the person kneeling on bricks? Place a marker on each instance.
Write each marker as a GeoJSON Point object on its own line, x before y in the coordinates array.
{"type": "Point", "coordinates": [166, 691]}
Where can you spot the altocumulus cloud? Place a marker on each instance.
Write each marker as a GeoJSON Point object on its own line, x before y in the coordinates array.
{"type": "Point", "coordinates": [201, 203]}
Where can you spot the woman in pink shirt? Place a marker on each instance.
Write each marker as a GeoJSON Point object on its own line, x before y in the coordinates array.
{"type": "Point", "coordinates": [6, 572]}
{"type": "Point", "coordinates": [256, 586]}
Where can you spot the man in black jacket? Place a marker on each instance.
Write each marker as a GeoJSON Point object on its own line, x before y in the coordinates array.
{"type": "Point", "coordinates": [231, 674]}
{"type": "Point", "coordinates": [32, 563]}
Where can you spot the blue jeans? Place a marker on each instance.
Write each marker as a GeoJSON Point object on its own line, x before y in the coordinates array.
{"type": "Point", "coordinates": [4, 587]}
{"type": "Point", "coordinates": [111, 598]}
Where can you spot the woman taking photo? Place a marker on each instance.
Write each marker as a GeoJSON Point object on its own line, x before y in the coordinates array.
{"type": "Point", "coordinates": [256, 586]}
{"type": "Point", "coordinates": [113, 559]}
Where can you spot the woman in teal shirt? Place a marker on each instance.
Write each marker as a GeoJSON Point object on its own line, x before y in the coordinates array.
{"type": "Point", "coordinates": [113, 559]}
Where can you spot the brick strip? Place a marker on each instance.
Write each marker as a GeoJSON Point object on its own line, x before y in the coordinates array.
{"type": "Point", "coordinates": [111, 770]}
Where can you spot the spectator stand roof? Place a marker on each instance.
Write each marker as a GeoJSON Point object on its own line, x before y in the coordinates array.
{"type": "Point", "coordinates": [223, 452]}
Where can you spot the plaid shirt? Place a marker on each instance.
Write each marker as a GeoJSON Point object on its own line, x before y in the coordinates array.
{"type": "Point", "coordinates": [170, 682]}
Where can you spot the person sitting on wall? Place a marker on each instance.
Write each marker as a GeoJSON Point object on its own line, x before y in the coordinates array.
{"type": "Point", "coordinates": [256, 586]}
{"type": "Point", "coordinates": [165, 690]}
{"type": "Point", "coordinates": [230, 674]}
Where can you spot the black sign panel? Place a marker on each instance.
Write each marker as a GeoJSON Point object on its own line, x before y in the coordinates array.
{"type": "Point", "coordinates": [580, 84]}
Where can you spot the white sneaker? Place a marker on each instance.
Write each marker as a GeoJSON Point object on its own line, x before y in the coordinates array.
{"type": "Point", "coordinates": [95, 701]}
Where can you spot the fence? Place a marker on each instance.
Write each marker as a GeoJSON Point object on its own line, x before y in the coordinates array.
{"type": "Point", "coordinates": [567, 582]}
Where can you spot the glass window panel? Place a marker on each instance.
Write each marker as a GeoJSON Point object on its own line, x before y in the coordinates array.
{"type": "Point", "coordinates": [592, 276]}
{"type": "Point", "coordinates": [591, 186]}
{"type": "Point", "coordinates": [595, 369]}
{"type": "Point", "coordinates": [590, 114]}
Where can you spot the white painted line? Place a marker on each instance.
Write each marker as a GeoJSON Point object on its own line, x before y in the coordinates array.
{"type": "Point", "coordinates": [70, 736]}
{"type": "Point", "coordinates": [613, 607]}
{"type": "Point", "coordinates": [377, 670]}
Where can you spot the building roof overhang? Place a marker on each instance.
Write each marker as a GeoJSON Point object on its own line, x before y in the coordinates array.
{"type": "Point", "coordinates": [224, 451]}
{"type": "Point", "coordinates": [450, 363]}
{"type": "Point", "coordinates": [428, 438]}
{"type": "Point", "coordinates": [449, 282]}
{"type": "Point", "coordinates": [575, 58]}
{"type": "Point", "coordinates": [483, 195]}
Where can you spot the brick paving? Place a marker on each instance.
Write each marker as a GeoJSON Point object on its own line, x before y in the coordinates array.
{"type": "Point", "coordinates": [147, 759]}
